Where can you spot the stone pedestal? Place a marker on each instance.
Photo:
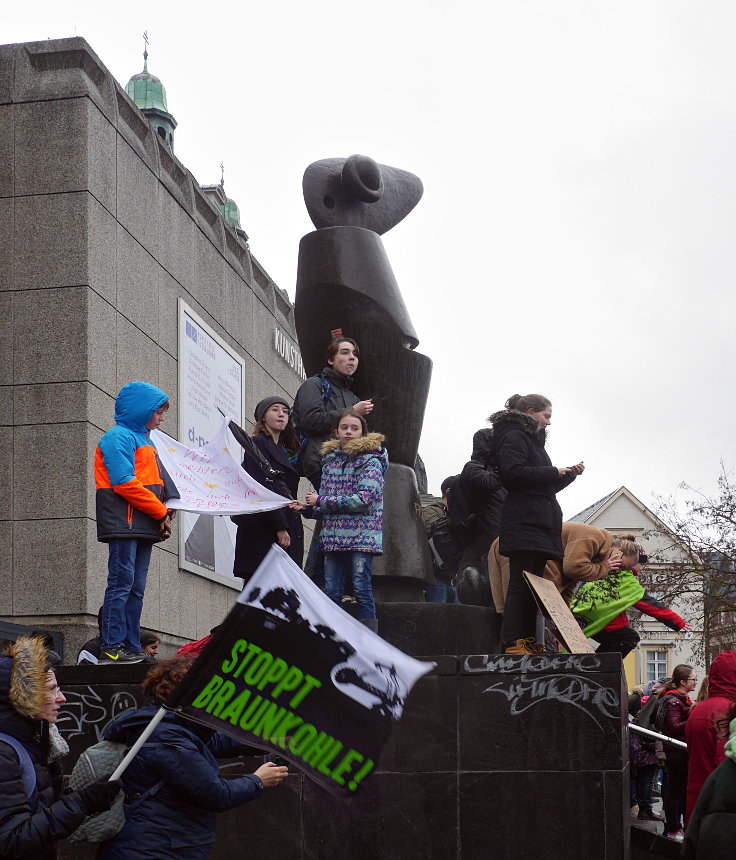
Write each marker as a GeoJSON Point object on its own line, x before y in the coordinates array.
{"type": "Point", "coordinates": [404, 569]}
{"type": "Point", "coordinates": [500, 757]}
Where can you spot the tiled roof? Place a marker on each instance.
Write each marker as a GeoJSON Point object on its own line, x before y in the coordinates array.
{"type": "Point", "coordinates": [585, 515]}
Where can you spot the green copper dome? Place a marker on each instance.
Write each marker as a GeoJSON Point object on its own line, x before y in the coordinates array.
{"type": "Point", "coordinates": [230, 213]}
{"type": "Point", "coordinates": [149, 95]}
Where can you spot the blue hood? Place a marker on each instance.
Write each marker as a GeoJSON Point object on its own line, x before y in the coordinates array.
{"type": "Point", "coordinates": [136, 403]}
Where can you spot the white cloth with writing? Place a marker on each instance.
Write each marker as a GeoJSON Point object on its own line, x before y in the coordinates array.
{"type": "Point", "coordinates": [210, 480]}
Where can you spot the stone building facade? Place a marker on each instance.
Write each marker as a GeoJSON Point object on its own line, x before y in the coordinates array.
{"type": "Point", "coordinates": [102, 232]}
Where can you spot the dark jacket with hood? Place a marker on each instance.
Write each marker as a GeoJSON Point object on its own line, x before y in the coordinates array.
{"type": "Point", "coordinates": [31, 826]}
{"type": "Point", "coordinates": [475, 502]}
{"type": "Point", "coordinates": [317, 406]}
{"type": "Point", "coordinates": [256, 532]}
{"type": "Point", "coordinates": [132, 484]}
{"type": "Point", "coordinates": [531, 518]}
{"type": "Point", "coordinates": [178, 820]}
{"type": "Point", "coordinates": [705, 730]}
{"type": "Point", "coordinates": [711, 829]}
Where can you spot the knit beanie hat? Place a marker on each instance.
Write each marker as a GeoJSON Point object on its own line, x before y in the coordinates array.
{"type": "Point", "coordinates": [266, 403]}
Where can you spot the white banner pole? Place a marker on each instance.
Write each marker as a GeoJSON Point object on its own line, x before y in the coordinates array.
{"type": "Point", "coordinates": [145, 734]}
{"type": "Point", "coordinates": [650, 733]}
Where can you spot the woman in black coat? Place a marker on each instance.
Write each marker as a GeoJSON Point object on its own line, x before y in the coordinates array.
{"type": "Point", "coordinates": [531, 519]}
{"type": "Point", "coordinates": [275, 438]}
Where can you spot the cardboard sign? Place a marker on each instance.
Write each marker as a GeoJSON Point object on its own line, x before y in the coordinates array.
{"type": "Point", "coordinates": [552, 606]}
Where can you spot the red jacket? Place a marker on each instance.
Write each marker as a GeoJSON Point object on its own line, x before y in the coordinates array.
{"type": "Point", "coordinates": [676, 715]}
{"type": "Point", "coordinates": [705, 745]}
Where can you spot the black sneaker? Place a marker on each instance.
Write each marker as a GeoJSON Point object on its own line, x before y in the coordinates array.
{"type": "Point", "coordinates": [118, 654]}
{"type": "Point", "coordinates": [649, 815]}
{"type": "Point", "coordinates": [143, 657]}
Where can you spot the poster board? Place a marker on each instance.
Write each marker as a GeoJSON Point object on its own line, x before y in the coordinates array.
{"type": "Point", "coordinates": [552, 606]}
{"type": "Point", "coordinates": [211, 378]}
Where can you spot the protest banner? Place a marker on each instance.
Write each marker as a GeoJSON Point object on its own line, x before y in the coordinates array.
{"type": "Point", "coordinates": [552, 606]}
{"type": "Point", "coordinates": [209, 478]}
{"type": "Point", "coordinates": [291, 672]}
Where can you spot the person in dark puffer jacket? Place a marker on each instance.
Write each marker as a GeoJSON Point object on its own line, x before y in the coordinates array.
{"type": "Point", "coordinates": [531, 518]}
{"type": "Point", "coordinates": [33, 820]}
{"type": "Point", "coordinates": [177, 820]}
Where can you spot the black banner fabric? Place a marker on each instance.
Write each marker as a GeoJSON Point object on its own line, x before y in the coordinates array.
{"type": "Point", "coordinates": [291, 672]}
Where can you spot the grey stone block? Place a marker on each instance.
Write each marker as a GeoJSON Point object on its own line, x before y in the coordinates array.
{"type": "Point", "coordinates": [52, 467]}
{"type": "Point", "coordinates": [179, 597]}
{"type": "Point", "coordinates": [49, 566]}
{"type": "Point", "coordinates": [6, 473]}
{"type": "Point", "coordinates": [168, 381]}
{"type": "Point", "coordinates": [151, 615]}
{"type": "Point", "coordinates": [209, 277]}
{"type": "Point", "coordinates": [52, 403]}
{"type": "Point", "coordinates": [7, 211]}
{"type": "Point", "coordinates": [137, 277]}
{"type": "Point", "coordinates": [177, 231]}
{"type": "Point", "coordinates": [135, 130]}
{"type": "Point", "coordinates": [7, 397]}
{"type": "Point", "coordinates": [6, 147]}
{"type": "Point", "coordinates": [101, 250]}
{"type": "Point", "coordinates": [137, 198]}
{"type": "Point", "coordinates": [7, 64]}
{"type": "Point", "coordinates": [167, 296]}
{"type": "Point", "coordinates": [137, 355]}
{"type": "Point", "coordinates": [6, 569]}
{"type": "Point", "coordinates": [238, 309]}
{"type": "Point", "coordinates": [64, 145]}
{"type": "Point", "coordinates": [48, 335]}
{"type": "Point", "coordinates": [51, 240]}
{"type": "Point", "coordinates": [6, 338]}
{"type": "Point", "coordinates": [62, 68]}
{"type": "Point", "coordinates": [102, 344]}
{"type": "Point", "coordinates": [96, 571]}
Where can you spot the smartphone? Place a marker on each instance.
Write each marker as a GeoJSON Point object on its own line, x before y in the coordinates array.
{"type": "Point", "coordinates": [616, 554]}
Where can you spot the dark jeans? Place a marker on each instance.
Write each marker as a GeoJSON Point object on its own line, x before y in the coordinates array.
{"type": "Point", "coordinates": [441, 592]}
{"type": "Point", "coordinates": [127, 569]}
{"type": "Point", "coordinates": [644, 781]}
{"type": "Point", "coordinates": [338, 566]}
{"type": "Point", "coordinates": [673, 794]}
{"type": "Point", "coordinates": [520, 608]}
{"type": "Point", "coordinates": [621, 641]}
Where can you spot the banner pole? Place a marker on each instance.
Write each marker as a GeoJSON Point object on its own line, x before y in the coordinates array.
{"type": "Point", "coordinates": [132, 752]}
{"type": "Point", "coordinates": [652, 734]}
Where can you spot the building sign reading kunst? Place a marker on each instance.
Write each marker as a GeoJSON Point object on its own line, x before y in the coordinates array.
{"type": "Point", "coordinates": [211, 378]}
{"type": "Point", "coordinates": [288, 352]}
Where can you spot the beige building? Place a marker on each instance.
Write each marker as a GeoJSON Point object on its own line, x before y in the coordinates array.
{"type": "Point", "coordinates": [667, 576]}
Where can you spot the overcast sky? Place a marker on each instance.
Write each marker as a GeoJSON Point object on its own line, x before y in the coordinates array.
{"type": "Point", "coordinates": [575, 237]}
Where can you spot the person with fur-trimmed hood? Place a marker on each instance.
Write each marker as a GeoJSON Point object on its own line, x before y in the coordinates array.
{"type": "Point", "coordinates": [34, 815]}
{"type": "Point", "coordinates": [350, 505]}
{"type": "Point", "coordinates": [531, 518]}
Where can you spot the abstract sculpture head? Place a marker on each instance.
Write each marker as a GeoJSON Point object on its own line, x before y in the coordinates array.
{"type": "Point", "coordinates": [359, 192]}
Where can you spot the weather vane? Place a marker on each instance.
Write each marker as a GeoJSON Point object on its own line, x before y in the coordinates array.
{"type": "Point", "coordinates": [145, 47]}
{"type": "Point", "coordinates": [222, 175]}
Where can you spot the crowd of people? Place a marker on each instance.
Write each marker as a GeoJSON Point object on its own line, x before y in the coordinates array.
{"type": "Point", "coordinates": [497, 518]}
{"type": "Point", "coordinates": [697, 776]}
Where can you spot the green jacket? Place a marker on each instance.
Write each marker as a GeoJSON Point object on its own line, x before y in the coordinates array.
{"type": "Point", "coordinates": [598, 603]}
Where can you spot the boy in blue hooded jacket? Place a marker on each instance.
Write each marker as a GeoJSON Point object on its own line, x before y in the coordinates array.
{"type": "Point", "coordinates": [132, 486]}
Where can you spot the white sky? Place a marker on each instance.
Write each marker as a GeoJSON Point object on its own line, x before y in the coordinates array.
{"type": "Point", "coordinates": [579, 164]}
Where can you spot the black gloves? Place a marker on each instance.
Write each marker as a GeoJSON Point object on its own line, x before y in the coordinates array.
{"type": "Point", "coordinates": [100, 795]}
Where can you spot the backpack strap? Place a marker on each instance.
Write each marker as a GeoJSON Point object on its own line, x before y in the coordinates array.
{"type": "Point", "coordinates": [27, 770]}
{"type": "Point", "coordinates": [141, 798]}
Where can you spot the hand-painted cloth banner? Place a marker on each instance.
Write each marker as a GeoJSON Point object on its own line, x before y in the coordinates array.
{"type": "Point", "coordinates": [210, 480]}
{"type": "Point", "coordinates": [291, 672]}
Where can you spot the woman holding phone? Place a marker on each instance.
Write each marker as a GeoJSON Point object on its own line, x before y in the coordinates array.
{"type": "Point", "coordinates": [531, 518]}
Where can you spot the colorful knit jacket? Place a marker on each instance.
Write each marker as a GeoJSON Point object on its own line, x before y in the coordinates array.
{"type": "Point", "coordinates": [350, 502]}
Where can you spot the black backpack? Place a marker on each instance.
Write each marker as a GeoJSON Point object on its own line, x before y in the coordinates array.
{"type": "Point", "coordinates": [446, 548]}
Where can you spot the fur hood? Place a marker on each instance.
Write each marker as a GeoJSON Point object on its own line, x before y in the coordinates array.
{"type": "Point", "coordinates": [27, 686]}
{"type": "Point", "coordinates": [370, 444]}
{"type": "Point", "coordinates": [507, 418]}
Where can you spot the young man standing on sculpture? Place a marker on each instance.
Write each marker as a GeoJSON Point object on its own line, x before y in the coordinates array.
{"type": "Point", "coordinates": [318, 404]}
{"type": "Point", "coordinates": [132, 487]}
{"type": "Point", "coordinates": [321, 399]}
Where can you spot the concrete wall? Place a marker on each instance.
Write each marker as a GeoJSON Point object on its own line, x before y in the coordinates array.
{"type": "Point", "coordinates": [102, 229]}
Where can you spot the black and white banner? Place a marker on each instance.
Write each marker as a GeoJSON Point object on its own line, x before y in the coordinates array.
{"type": "Point", "coordinates": [291, 672]}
